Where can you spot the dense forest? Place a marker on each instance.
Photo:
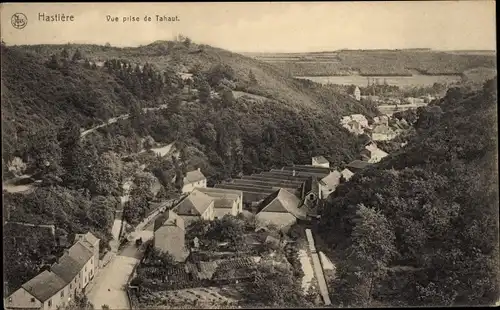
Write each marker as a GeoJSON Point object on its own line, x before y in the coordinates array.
{"type": "Point", "coordinates": [51, 93]}
{"type": "Point", "coordinates": [421, 227]}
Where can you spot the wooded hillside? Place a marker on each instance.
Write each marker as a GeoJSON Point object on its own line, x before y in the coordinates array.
{"type": "Point", "coordinates": [421, 227]}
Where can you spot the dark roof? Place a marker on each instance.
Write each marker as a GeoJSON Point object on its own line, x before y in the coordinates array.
{"type": "Point", "coordinates": [67, 268]}
{"type": "Point", "coordinates": [246, 188]}
{"type": "Point", "coordinates": [271, 183]}
{"type": "Point", "coordinates": [80, 253]}
{"type": "Point", "coordinates": [282, 177]}
{"type": "Point", "coordinates": [218, 192]}
{"type": "Point", "coordinates": [299, 175]}
{"type": "Point", "coordinates": [169, 218]}
{"type": "Point", "coordinates": [358, 164]}
{"type": "Point", "coordinates": [307, 168]}
{"type": "Point", "coordinates": [44, 285]}
{"type": "Point", "coordinates": [223, 203]}
{"type": "Point", "coordinates": [310, 185]}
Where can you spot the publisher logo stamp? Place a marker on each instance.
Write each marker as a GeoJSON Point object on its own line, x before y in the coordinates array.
{"type": "Point", "coordinates": [19, 20]}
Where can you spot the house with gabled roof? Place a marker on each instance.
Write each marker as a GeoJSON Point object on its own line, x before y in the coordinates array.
{"type": "Point", "coordinates": [310, 192]}
{"type": "Point", "coordinates": [196, 205]}
{"type": "Point", "coordinates": [382, 132]}
{"type": "Point", "coordinates": [92, 243]}
{"type": "Point", "coordinates": [226, 201]}
{"type": "Point", "coordinates": [281, 209]}
{"type": "Point", "coordinates": [45, 291]}
{"type": "Point", "coordinates": [192, 180]}
{"type": "Point", "coordinates": [328, 184]}
{"type": "Point", "coordinates": [169, 235]}
{"type": "Point", "coordinates": [372, 154]}
{"type": "Point", "coordinates": [67, 277]}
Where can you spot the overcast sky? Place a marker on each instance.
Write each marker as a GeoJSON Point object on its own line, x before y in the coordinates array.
{"type": "Point", "coordinates": [266, 27]}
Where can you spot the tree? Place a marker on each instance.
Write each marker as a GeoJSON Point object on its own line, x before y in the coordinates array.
{"type": "Point", "coordinates": [77, 55]}
{"type": "Point", "coordinates": [273, 286]}
{"type": "Point", "coordinates": [80, 302]}
{"type": "Point", "coordinates": [203, 89]}
{"type": "Point", "coordinates": [227, 98]}
{"type": "Point", "coordinates": [372, 248]}
{"type": "Point", "coordinates": [64, 53]}
{"type": "Point", "coordinates": [252, 78]}
{"type": "Point", "coordinates": [106, 175]}
{"type": "Point", "coordinates": [54, 62]}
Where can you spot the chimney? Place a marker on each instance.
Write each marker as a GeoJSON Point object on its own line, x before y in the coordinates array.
{"type": "Point", "coordinates": [199, 169]}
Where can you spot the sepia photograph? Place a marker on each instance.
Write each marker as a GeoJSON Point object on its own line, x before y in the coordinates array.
{"type": "Point", "coordinates": [210, 155]}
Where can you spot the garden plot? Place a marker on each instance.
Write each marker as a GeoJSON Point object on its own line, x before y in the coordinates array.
{"type": "Point", "coordinates": [209, 297]}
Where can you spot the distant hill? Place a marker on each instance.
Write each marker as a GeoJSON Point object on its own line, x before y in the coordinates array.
{"type": "Point", "coordinates": [379, 62]}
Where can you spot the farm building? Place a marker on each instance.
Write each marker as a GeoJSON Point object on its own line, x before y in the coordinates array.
{"type": "Point", "coordinates": [282, 209]}
{"type": "Point", "coordinates": [226, 201]}
{"type": "Point", "coordinates": [169, 235]}
{"type": "Point", "coordinates": [196, 205]}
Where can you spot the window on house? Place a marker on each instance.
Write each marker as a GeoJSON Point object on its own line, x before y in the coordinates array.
{"type": "Point", "coordinates": [311, 197]}
{"type": "Point", "coordinates": [85, 268]}
{"type": "Point", "coordinates": [85, 279]}
{"type": "Point", "coordinates": [50, 303]}
{"type": "Point", "coordinates": [70, 285]}
{"type": "Point", "coordinates": [32, 299]}
{"type": "Point", "coordinates": [10, 299]}
{"type": "Point", "coordinates": [62, 294]}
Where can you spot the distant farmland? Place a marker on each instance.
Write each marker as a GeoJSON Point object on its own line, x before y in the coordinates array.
{"type": "Point", "coordinates": [379, 62]}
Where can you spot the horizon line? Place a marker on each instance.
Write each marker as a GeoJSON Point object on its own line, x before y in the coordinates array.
{"type": "Point", "coordinates": [270, 52]}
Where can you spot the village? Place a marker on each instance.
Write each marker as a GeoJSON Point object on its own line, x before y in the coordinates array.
{"type": "Point", "coordinates": [277, 208]}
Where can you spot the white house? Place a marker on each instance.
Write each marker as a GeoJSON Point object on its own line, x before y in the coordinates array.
{"type": "Point", "coordinates": [169, 235]}
{"type": "Point", "coordinates": [320, 161]}
{"type": "Point", "coordinates": [328, 184]}
{"type": "Point", "coordinates": [67, 277]}
{"type": "Point", "coordinates": [383, 133]}
{"type": "Point", "coordinates": [372, 153]}
{"type": "Point", "coordinates": [192, 180]}
{"type": "Point", "coordinates": [281, 209]}
{"type": "Point", "coordinates": [346, 174]}
{"type": "Point", "coordinates": [356, 93]}
{"type": "Point", "coordinates": [196, 205]}
{"type": "Point", "coordinates": [226, 201]}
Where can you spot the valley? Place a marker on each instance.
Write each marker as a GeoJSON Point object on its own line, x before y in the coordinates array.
{"type": "Point", "coordinates": [199, 177]}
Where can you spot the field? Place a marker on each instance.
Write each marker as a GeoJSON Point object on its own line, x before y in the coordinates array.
{"type": "Point", "coordinates": [379, 62]}
{"type": "Point", "coordinates": [203, 298]}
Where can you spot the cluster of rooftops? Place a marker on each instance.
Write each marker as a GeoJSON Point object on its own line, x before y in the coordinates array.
{"type": "Point", "coordinates": [280, 197]}
{"type": "Point", "coordinates": [70, 273]}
